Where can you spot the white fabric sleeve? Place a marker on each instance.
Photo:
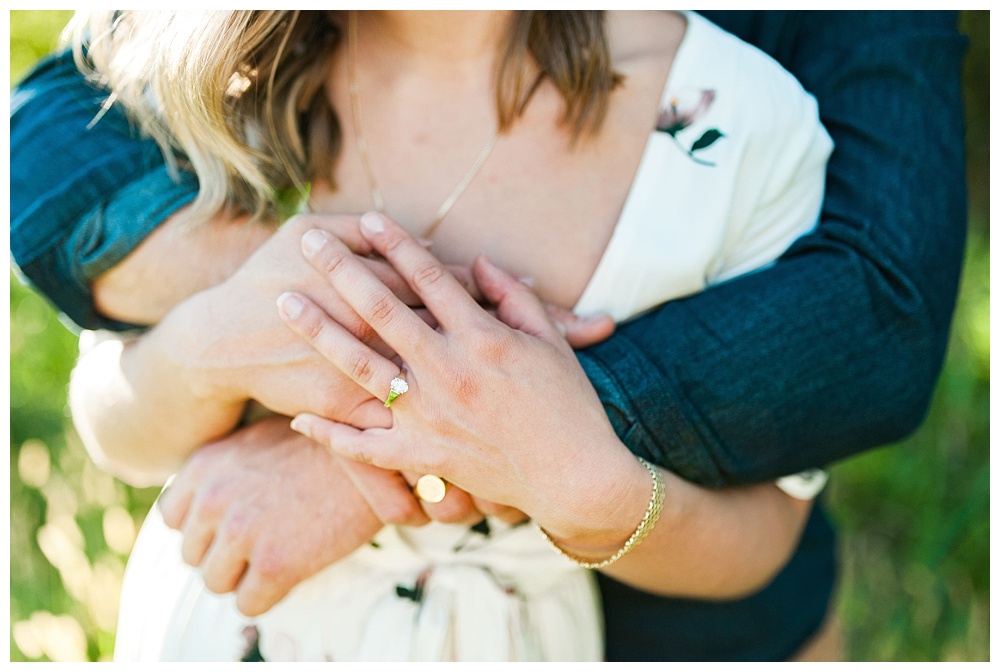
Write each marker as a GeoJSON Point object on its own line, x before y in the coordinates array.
{"type": "Point", "coordinates": [792, 147]}
{"type": "Point", "coordinates": [804, 485]}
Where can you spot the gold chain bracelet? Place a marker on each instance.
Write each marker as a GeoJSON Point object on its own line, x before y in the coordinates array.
{"type": "Point", "coordinates": [645, 525]}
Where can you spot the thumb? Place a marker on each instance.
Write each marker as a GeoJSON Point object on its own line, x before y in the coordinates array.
{"type": "Point", "coordinates": [516, 305]}
{"type": "Point", "coordinates": [581, 332]}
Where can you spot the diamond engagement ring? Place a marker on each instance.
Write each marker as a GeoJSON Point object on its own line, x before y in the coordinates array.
{"type": "Point", "coordinates": [397, 387]}
{"type": "Point", "coordinates": [430, 488]}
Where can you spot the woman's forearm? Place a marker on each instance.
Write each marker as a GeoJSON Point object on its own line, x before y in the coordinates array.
{"type": "Point", "coordinates": [138, 410]}
{"type": "Point", "coordinates": [717, 544]}
{"type": "Point", "coordinates": [690, 550]}
{"type": "Point", "coordinates": [178, 259]}
{"type": "Point", "coordinates": [138, 404]}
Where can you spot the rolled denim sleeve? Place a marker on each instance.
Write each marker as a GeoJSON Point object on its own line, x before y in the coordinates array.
{"type": "Point", "coordinates": [85, 189]}
{"type": "Point", "coordinates": [837, 347]}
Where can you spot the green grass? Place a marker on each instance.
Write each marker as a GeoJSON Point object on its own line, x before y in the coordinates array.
{"type": "Point", "coordinates": [914, 517]}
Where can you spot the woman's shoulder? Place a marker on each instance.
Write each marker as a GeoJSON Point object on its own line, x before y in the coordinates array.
{"type": "Point", "coordinates": [721, 83]}
{"type": "Point", "coordinates": [749, 85]}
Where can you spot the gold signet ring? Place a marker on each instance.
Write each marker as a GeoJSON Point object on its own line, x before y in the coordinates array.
{"type": "Point", "coordinates": [430, 488]}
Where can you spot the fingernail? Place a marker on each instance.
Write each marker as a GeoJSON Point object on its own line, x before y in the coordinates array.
{"type": "Point", "coordinates": [372, 223]}
{"type": "Point", "coordinates": [561, 328]}
{"type": "Point", "coordinates": [313, 241]}
{"type": "Point", "coordinates": [425, 243]}
{"type": "Point", "coordinates": [526, 281]}
{"type": "Point", "coordinates": [290, 305]}
{"type": "Point", "coordinates": [301, 426]}
{"type": "Point", "coordinates": [487, 263]}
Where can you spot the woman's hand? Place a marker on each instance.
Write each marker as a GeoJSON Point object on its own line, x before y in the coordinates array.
{"type": "Point", "coordinates": [504, 412]}
{"type": "Point", "coordinates": [253, 355]}
{"type": "Point", "coordinates": [238, 349]}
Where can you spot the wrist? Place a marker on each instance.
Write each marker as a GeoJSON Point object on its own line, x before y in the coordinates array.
{"type": "Point", "coordinates": [192, 349]}
{"type": "Point", "coordinates": [589, 559]}
{"type": "Point", "coordinates": [608, 512]}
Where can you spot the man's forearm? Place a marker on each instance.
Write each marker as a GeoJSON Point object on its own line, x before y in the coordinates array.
{"type": "Point", "coordinates": [835, 349]}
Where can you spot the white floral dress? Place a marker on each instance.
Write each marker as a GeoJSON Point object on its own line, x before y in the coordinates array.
{"type": "Point", "coordinates": [731, 175]}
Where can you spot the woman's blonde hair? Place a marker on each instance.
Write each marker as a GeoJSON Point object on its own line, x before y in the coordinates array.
{"type": "Point", "coordinates": [237, 96]}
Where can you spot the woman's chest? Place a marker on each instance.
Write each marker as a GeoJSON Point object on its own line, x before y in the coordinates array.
{"type": "Point", "coordinates": [539, 206]}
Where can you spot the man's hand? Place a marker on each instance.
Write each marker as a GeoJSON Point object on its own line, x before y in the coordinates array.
{"type": "Point", "coordinates": [264, 509]}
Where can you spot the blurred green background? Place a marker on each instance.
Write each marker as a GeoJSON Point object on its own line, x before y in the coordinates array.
{"type": "Point", "coordinates": [914, 516]}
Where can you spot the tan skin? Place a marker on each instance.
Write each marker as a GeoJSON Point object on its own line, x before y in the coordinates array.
{"type": "Point", "coordinates": [568, 198]}
{"type": "Point", "coordinates": [462, 419]}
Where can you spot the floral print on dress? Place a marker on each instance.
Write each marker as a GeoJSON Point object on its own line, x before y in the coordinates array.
{"type": "Point", "coordinates": [286, 646]}
{"type": "Point", "coordinates": [251, 646]}
{"type": "Point", "coordinates": [683, 110]}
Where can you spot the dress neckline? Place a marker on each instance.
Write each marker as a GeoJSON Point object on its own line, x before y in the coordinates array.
{"type": "Point", "coordinates": [621, 229]}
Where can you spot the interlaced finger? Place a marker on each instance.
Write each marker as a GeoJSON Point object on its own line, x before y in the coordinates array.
{"type": "Point", "coordinates": [401, 329]}
{"type": "Point", "coordinates": [357, 361]}
{"type": "Point", "coordinates": [447, 299]}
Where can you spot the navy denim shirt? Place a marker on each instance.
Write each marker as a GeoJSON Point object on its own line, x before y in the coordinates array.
{"type": "Point", "coordinates": [833, 350]}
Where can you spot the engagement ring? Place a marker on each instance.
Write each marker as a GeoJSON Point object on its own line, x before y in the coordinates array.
{"type": "Point", "coordinates": [397, 387]}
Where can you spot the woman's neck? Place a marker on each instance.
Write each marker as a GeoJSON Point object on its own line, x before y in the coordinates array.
{"type": "Point", "coordinates": [453, 41]}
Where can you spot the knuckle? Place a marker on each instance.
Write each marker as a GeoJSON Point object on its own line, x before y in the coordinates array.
{"type": "Point", "coordinates": [392, 239]}
{"type": "Point", "coordinates": [236, 528]}
{"type": "Point", "coordinates": [484, 334]}
{"type": "Point", "coordinates": [494, 348]}
{"type": "Point", "coordinates": [427, 275]}
{"type": "Point", "coordinates": [213, 500]}
{"type": "Point", "coordinates": [333, 260]}
{"type": "Point", "coordinates": [361, 366]}
{"type": "Point", "coordinates": [382, 308]}
{"type": "Point", "coordinates": [360, 329]}
{"type": "Point", "coordinates": [327, 404]}
{"type": "Point", "coordinates": [271, 564]}
{"type": "Point", "coordinates": [363, 454]}
{"type": "Point", "coordinates": [399, 511]}
{"type": "Point", "coordinates": [310, 325]}
{"type": "Point", "coordinates": [451, 511]}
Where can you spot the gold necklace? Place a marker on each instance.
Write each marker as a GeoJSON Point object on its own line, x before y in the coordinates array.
{"type": "Point", "coordinates": [376, 193]}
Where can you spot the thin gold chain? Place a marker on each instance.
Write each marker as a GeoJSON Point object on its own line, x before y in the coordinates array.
{"type": "Point", "coordinates": [376, 193]}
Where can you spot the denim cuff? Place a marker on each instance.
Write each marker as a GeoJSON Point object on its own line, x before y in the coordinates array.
{"type": "Point", "coordinates": [651, 419]}
{"type": "Point", "coordinates": [101, 239]}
